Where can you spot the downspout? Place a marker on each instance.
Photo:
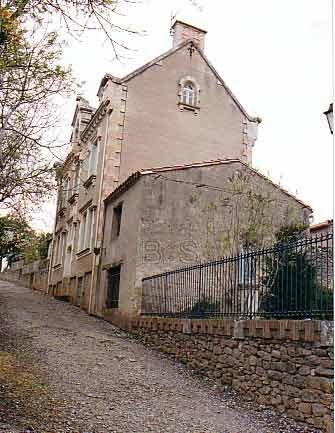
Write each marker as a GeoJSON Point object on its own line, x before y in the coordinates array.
{"type": "Point", "coordinates": [99, 212]}
{"type": "Point", "coordinates": [53, 243]}
{"type": "Point", "coordinates": [98, 278]}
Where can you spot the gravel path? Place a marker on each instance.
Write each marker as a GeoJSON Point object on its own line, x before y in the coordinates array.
{"type": "Point", "coordinates": [100, 380]}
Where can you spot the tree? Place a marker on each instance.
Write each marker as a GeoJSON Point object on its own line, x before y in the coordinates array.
{"type": "Point", "coordinates": [14, 233]}
{"type": "Point", "coordinates": [241, 218]}
{"type": "Point", "coordinates": [30, 79]}
{"type": "Point", "coordinates": [19, 240]}
{"type": "Point", "coordinates": [245, 215]}
{"type": "Point", "coordinates": [37, 247]}
{"type": "Point", "coordinates": [73, 16]}
{"type": "Point", "coordinates": [44, 240]}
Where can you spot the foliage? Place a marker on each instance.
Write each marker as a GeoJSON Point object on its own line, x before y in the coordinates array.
{"type": "Point", "coordinates": [325, 301]}
{"type": "Point", "coordinates": [14, 233]}
{"type": "Point", "coordinates": [44, 240]}
{"type": "Point", "coordinates": [290, 279]}
{"type": "Point", "coordinates": [245, 216]}
{"type": "Point", "coordinates": [37, 247]}
{"type": "Point", "coordinates": [18, 240]}
{"type": "Point", "coordinates": [72, 16]}
{"type": "Point", "coordinates": [9, 26]}
{"type": "Point", "coordinates": [31, 82]}
{"type": "Point", "coordinates": [30, 79]}
{"type": "Point", "coordinates": [290, 233]}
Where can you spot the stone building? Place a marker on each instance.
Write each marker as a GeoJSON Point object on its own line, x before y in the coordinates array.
{"type": "Point", "coordinates": [173, 111]}
{"type": "Point", "coordinates": [176, 109]}
{"type": "Point", "coordinates": [166, 218]}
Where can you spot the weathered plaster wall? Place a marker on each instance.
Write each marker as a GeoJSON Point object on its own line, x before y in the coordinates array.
{"type": "Point", "coordinates": [284, 364]}
{"type": "Point", "coordinates": [165, 226]}
{"type": "Point", "coordinates": [182, 224]}
{"type": "Point", "coordinates": [122, 250]}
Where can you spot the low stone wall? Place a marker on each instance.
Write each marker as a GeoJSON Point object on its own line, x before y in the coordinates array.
{"type": "Point", "coordinates": [35, 279]}
{"type": "Point", "coordinates": [280, 363]}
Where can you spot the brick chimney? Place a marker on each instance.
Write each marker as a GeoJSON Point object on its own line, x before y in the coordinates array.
{"type": "Point", "coordinates": [182, 32]}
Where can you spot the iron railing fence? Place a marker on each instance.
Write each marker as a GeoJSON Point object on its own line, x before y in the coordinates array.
{"type": "Point", "coordinates": [292, 280]}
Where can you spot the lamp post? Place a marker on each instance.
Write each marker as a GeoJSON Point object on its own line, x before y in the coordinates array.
{"type": "Point", "coordinates": [330, 117]}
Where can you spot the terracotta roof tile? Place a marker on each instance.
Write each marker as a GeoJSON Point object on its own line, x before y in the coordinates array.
{"type": "Point", "coordinates": [322, 225]}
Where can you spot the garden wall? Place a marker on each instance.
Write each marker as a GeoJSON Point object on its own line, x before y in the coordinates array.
{"type": "Point", "coordinates": [285, 364]}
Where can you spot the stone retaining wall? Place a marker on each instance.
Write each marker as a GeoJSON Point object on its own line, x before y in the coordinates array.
{"type": "Point", "coordinates": [280, 363]}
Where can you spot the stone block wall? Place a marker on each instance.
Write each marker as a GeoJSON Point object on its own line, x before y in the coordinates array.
{"type": "Point", "coordinates": [280, 363]}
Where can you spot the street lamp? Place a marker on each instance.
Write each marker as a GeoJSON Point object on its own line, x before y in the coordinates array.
{"type": "Point", "coordinates": [330, 117]}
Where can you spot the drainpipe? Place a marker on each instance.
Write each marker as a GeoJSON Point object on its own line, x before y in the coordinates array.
{"type": "Point", "coordinates": [53, 239]}
{"type": "Point", "coordinates": [98, 279]}
{"type": "Point", "coordinates": [109, 112]}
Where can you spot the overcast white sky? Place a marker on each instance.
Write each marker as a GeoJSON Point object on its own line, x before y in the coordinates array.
{"type": "Point", "coordinates": [274, 55]}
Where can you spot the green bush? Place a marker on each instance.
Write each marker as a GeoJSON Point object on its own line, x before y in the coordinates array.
{"type": "Point", "coordinates": [290, 282]}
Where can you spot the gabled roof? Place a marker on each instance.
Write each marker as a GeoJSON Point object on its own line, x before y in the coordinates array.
{"type": "Point", "coordinates": [168, 53]}
{"type": "Point", "coordinates": [132, 179]}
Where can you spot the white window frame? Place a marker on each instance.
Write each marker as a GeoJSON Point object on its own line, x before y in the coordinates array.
{"type": "Point", "coordinates": [86, 229]}
{"type": "Point", "coordinates": [76, 179]}
{"type": "Point", "coordinates": [60, 247]}
{"type": "Point", "coordinates": [93, 159]}
{"type": "Point", "coordinates": [189, 93]}
{"type": "Point", "coordinates": [68, 188]}
{"type": "Point", "coordinates": [82, 230]}
{"type": "Point", "coordinates": [189, 96]}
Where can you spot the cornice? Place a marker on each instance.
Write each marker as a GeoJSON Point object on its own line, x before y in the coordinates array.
{"type": "Point", "coordinates": [95, 120]}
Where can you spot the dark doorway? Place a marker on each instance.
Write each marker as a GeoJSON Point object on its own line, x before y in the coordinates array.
{"type": "Point", "coordinates": [113, 285]}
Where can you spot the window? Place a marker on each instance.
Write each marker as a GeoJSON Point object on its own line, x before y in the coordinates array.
{"type": "Point", "coordinates": [79, 290]}
{"type": "Point", "coordinates": [64, 241]}
{"type": "Point", "coordinates": [61, 194]}
{"type": "Point", "coordinates": [113, 286]}
{"type": "Point", "coordinates": [68, 189]}
{"type": "Point", "coordinates": [188, 94]}
{"type": "Point", "coordinates": [116, 223]}
{"type": "Point", "coordinates": [82, 229]}
{"type": "Point", "coordinates": [86, 229]}
{"type": "Point", "coordinates": [56, 256]}
{"type": "Point", "coordinates": [76, 180]}
{"type": "Point", "coordinates": [60, 248]}
{"type": "Point", "coordinates": [92, 163]}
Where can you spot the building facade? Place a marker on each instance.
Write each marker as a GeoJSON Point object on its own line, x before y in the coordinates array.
{"type": "Point", "coordinates": [166, 218]}
{"type": "Point", "coordinates": [175, 109]}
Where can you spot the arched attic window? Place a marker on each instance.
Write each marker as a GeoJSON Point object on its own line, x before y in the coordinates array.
{"type": "Point", "coordinates": [189, 94]}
